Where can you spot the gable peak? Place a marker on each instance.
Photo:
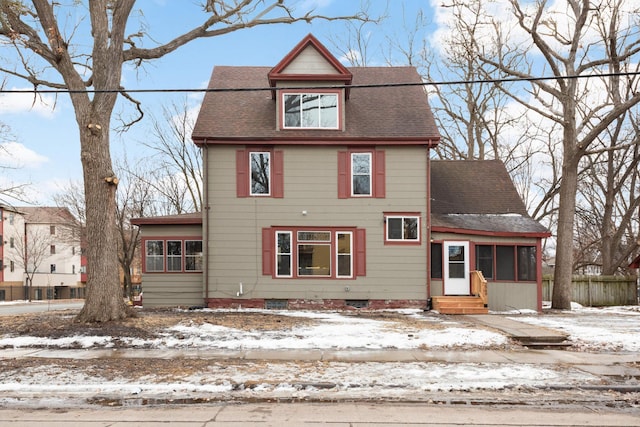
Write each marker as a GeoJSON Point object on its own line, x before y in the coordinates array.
{"type": "Point", "coordinates": [310, 60]}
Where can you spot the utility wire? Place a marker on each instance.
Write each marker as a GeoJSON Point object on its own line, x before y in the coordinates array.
{"type": "Point", "coordinates": [356, 86]}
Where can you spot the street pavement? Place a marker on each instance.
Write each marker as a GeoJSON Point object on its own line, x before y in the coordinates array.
{"type": "Point", "coordinates": [345, 414]}
{"type": "Point", "coordinates": [613, 403]}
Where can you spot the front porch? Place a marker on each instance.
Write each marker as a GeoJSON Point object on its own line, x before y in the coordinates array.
{"type": "Point", "coordinates": [476, 303]}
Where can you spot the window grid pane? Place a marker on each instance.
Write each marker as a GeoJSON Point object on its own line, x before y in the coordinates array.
{"type": "Point", "coordinates": [310, 110]}
{"type": "Point", "coordinates": [345, 249]}
{"type": "Point", "coordinates": [193, 255]}
{"type": "Point", "coordinates": [361, 174]}
{"type": "Point", "coordinates": [174, 255]}
{"type": "Point", "coordinates": [154, 255]}
{"type": "Point", "coordinates": [403, 228]}
{"type": "Point", "coordinates": [283, 254]}
{"type": "Point", "coordinates": [314, 260]}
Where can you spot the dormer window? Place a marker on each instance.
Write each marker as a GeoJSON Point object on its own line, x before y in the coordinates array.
{"type": "Point", "coordinates": [317, 110]}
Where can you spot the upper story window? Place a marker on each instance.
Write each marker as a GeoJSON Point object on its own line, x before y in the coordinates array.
{"type": "Point", "coordinates": [260, 173]}
{"type": "Point", "coordinates": [402, 228]}
{"type": "Point", "coordinates": [361, 173]}
{"type": "Point", "coordinates": [310, 110]}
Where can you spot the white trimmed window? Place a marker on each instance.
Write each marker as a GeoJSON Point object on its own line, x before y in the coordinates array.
{"type": "Point", "coordinates": [402, 228]}
{"type": "Point", "coordinates": [174, 255]}
{"type": "Point", "coordinates": [310, 110]}
{"type": "Point", "coordinates": [260, 168]}
{"type": "Point", "coordinates": [314, 253]}
{"type": "Point", "coordinates": [193, 255]}
{"type": "Point", "coordinates": [361, 174]}
{"type": "Point", "coordinates": [154, 255]}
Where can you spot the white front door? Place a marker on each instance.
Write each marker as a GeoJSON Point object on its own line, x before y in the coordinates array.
{"type": "Point", "coordinates": [456, 268]}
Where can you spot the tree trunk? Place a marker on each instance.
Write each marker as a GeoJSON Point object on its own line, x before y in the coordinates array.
{"type": "Point", "coordinates": [563, 275]}
{"type": "Point", "coordinates": [104, 300]}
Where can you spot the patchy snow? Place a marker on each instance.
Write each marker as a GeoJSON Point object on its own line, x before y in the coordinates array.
{"type": "Point", "coordinates": [331, 330]}
{"type": "Point", "coordinates": [594, 329]}
{"type": "Point", "coordinates": [609, 329]}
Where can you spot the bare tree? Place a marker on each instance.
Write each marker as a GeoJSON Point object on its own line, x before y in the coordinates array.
{"type": "Point", "coordinates": [177, 177]}
{"type": "Point", "coordinates": [8, 189]}
{"type": "Point", "coordinates": [94, 78]}
{"type": "Point", "coordinates": [29, 251]}
{"type": "Point", "coordinates": [570, 49]}
{"type": "Point", "coordinates": [609, 198]}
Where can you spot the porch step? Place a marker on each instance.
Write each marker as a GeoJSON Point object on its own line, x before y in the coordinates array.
{"type": "Point", "coordinates": [459, 305]}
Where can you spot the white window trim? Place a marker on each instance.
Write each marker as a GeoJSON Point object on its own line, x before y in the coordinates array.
{"type": "Point", "coordinates": [338, 275]}
{"type": "Point", "coordinates": [290, 254]}
{"type": "Point", "coordinates": [370, 155]}
{"type": "Point", "coordinates": [338, 110]}
{"type": "Point", "coordinates": [402, 217]}
{"type": "Point", "coordinates": [171, 257]}
{"type": "Point", "coordinates": [268, 193]}
{"type": "Point", "coordinates": [162, 257]}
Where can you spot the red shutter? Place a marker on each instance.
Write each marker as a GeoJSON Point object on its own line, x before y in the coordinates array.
{"type": "Point", "coordinates": [343, 175]}
{"type": "Point", "coordinates": [379, 189]}
{"type": "Point", "coordinates": [277, 186]}
{"type": "Point", "coordinates": [242, 174]}
{"type": "Point", "coordinates": [361, 253]}
{"type": "Point", "coordinates": [267, 252]}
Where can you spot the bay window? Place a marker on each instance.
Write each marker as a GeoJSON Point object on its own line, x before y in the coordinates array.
{"type": "Point", "coordinates": [332, 253]}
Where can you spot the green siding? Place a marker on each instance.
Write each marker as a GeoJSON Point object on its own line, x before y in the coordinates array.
{"type": "Point", "coordinates": [311, 184]}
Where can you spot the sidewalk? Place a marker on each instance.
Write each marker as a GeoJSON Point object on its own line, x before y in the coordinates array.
{"type": "Point", "coordinates": [511, 375]}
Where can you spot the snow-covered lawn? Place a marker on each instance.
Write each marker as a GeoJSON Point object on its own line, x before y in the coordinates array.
{"type": "Point", "coordinates": [594, 329]}
{"type": "Point", "coordinates": [608, 329]}
{"type": "Point", "coordinates": [329, 330]}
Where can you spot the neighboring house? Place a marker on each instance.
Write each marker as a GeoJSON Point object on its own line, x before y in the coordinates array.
{"type": "Point", "coordinates": [317, 195]}
{"type": "Point", "coordinates": [39, 254]}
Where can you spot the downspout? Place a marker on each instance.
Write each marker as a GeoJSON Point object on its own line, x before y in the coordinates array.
{"type": "Point", "coordinates": [539, 272]}
{"type": "Point", "coordinates": [205, 217]}
{"type": "Point", "coordinates": [428, 214]}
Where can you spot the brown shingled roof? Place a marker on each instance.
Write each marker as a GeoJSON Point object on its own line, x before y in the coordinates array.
{"type": "Point", "coordinates": [180, 219]}
{"type": "Point", "coordinates": [478, 195]}
{"type": "Point", "coordinates": [394, 114]}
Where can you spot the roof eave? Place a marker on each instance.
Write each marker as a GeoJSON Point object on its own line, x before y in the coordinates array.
{"type": "Point", "coordinates": [491, 233]}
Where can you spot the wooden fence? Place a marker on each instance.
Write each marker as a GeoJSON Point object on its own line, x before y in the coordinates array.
{"type": "Point", "coordinates": [595, 291]}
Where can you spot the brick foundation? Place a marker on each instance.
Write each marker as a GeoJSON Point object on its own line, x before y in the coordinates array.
{"type": "Point", "coordinates": [321, 304]}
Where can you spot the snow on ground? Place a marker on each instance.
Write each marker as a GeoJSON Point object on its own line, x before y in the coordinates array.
{"type": "Point", "coordinates": [332, 330]}
{"type": "Point", "coordinates": [608, 329]}
{"type": "Point", "coordinates": [594, 329]}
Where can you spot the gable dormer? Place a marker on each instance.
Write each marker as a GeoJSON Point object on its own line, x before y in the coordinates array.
{"type": "Point", "coordinates": [319, 101]}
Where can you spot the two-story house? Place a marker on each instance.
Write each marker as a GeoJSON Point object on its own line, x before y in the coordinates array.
{"type": "Point", "coordinates": [318, 194]}
{"type": "Point", "coordinates": [39, 254]}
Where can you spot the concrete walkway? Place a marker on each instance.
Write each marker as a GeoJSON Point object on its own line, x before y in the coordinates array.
{"type": "Point", "coordinates": [519, 331]}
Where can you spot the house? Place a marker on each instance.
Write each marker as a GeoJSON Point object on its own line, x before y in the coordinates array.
{"type": "Point", "coordinates": [317, 194]}
{"type": "Point", "coordinates": [39, 254]}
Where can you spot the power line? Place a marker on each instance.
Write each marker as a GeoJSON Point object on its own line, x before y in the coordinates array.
{"type": "Point", "coordinates": [356, 86]}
